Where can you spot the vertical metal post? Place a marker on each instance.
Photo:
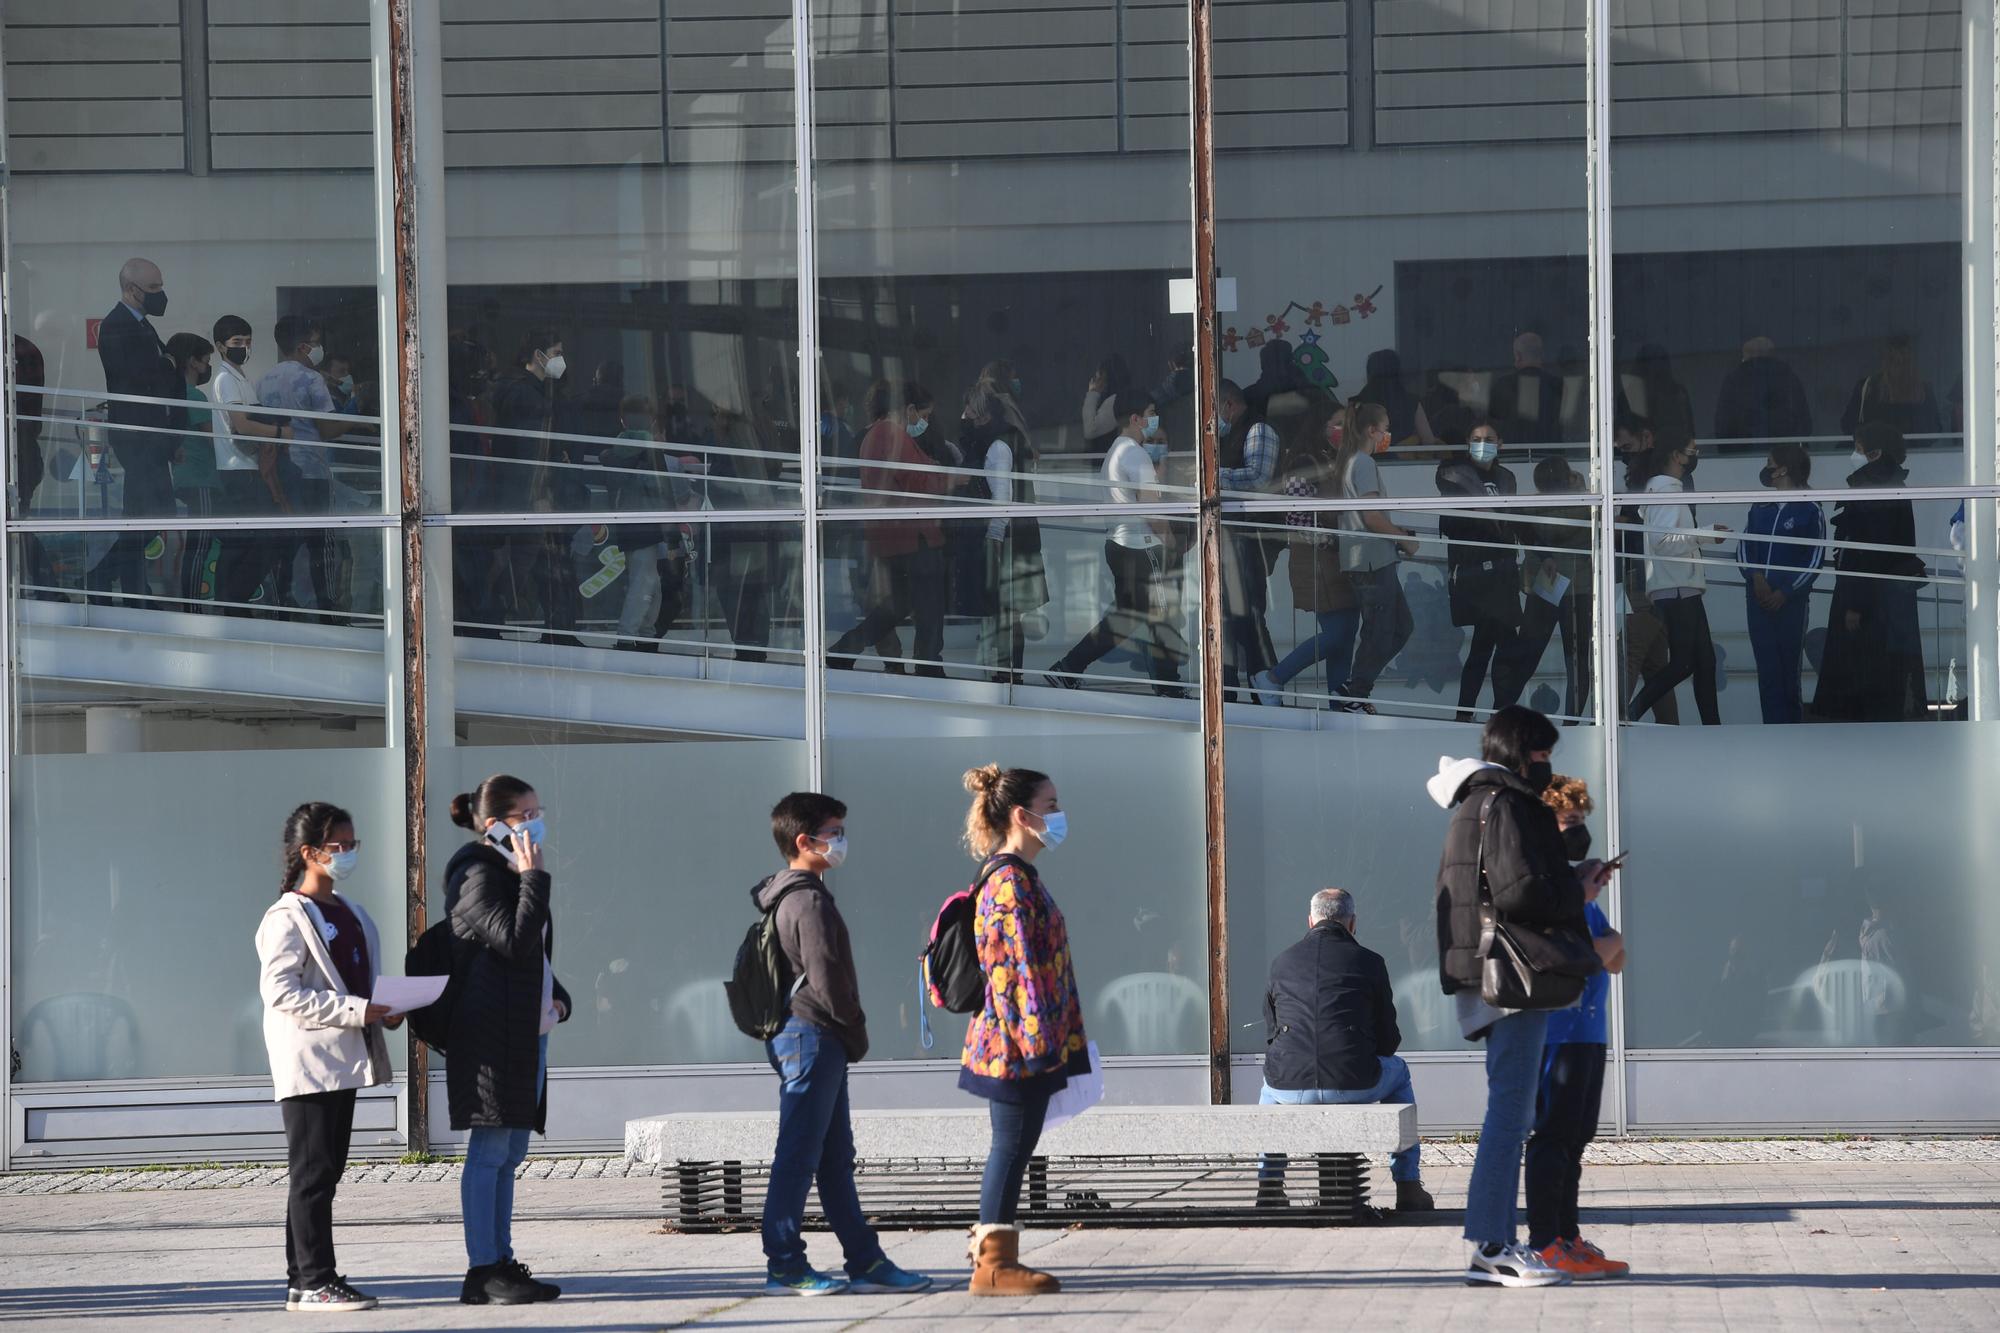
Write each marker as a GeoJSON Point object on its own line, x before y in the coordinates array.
{"type": "Point", "coordinates": [1201, 87]}
{"type": "Point", "coordinates": [1982, 347]}
{"type": "Point", "coordinates": [195, 123]}
{"type": "Point", "coordinates": [813, 621]}
{"type": "Point", "coordinates": [403, 359]}
{"type": "Point", "coordinates": [1603, 406]}
{"type": "Point", "coordinates": [7, 683]}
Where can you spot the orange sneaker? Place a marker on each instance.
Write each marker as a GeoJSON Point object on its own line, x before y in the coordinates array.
{"type": "Point", "coordinates": [1563, 1259]}
{"type": "Point", "coordinates": [1601, 1266]}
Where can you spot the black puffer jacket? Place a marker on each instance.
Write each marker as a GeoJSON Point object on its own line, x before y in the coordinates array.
{"type": "Point", "coordinates": [1527, 868]}
{"type": "Point", "coordinates": [500, 921]}
{"type": "Point", "coordinates": [1329, 1012]}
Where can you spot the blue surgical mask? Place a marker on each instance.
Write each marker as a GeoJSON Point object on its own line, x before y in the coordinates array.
{"type": "Point", "coordinates": [918, 427]}
{"type": "Point", "coordinates": [836, 851]}
{"type": "Point", "coordinates": [1157, 452]}
{"type": "Point", "coordinates": [1016, 383]}
{"type": "Point", "coordinates": [1055, 827]}
{"type": "Point", "coordinates": [1485, 451]}
{"type": "Point", "coordinates": [503, 833]}
{"type": "Point", "coordinates": [341, 864]}
{"type": "Point", "coordinates": [1221, 425]}
{"type": "Point", "coordinates": [1152, 425]}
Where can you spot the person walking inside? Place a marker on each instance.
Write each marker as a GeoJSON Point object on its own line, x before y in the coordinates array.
{"type": "Point", "coordinates": [318, 956]}
{"type": "Point", "coordinates": [1778, 580]}
{"type": "Point", "coordinates": [1331, 1037]}
{"type": "Point", "coordinates": [826, 1032]}
{"type": "Point", "coordinates": [1369, 547]}
{"type": "Point", "coordinates": [1026, 1042]}
{"type": "Point", "coordinates": [1676, 583]}
{"type": "Point", "coordinates": [1504, 857]}
{"type": "Point", "coordinates": [1482, 565]}
{"type": "Point", "coordinates": [1873, 668]}
{"type": "Point", "coordinates": [906, 560]}
{"type": "Point", "coordinates": [1319, 587]}
{"type": "Point", "coordinates": [496, 896]}
{"type": "Point", "coordinates": [1572, 1085]}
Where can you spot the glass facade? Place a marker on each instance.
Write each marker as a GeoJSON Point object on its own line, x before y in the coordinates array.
{"type": "Point", "coordinates": [811, 393]}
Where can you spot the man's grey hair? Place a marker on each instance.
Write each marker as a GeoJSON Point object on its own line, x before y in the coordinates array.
{"type": "Point", "coordinates": [1332, 905]}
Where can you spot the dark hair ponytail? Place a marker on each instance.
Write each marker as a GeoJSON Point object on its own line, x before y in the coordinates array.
{"type": "Point", "coordinates": [307, 826]}
{"type": "Point", "coordinates": [491, 799]}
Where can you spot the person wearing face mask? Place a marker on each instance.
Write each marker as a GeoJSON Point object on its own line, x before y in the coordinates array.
{"type": "Point", "coordinates": [543, 585]}
{"type": "Point", "coordinates": [905, 557]}
{"type": "Point", "coordinates": [497, 893]}
{"type": "Point", "coordinates": [194, 472]}
{"type": "Point", "coordinates": [137, 366]}
{"type": "Point", "coordinates": [826, 1032]}
{"type": "Point", "coordinates": [250, 458]}
{"type": "Point", "coordinates": [1675, 582]}
{"type": "Point", "coordinates": [1110, 390]}
{"type": "Point", "coordinates": [318, 956]}
{"type": "Point", "coordinates": [1026, 1041]}
{"type": "Point", "coordinates": [1482, 562]}
{"type": "Point", "coordinates": [1778, 577]}
{"type": "Point", "coordinates": [1370, 545]}
{"type": "Point", "coordinates": [1504, 854]}
{"type": "Point", "coordinates": [1133, 551]}
{"type": "Point", "coordinates": [1873, 667]}
{"type": "Point", "coordinates": [1571, 1091]}
{"type": "Point", "coordinates": [295, 382]}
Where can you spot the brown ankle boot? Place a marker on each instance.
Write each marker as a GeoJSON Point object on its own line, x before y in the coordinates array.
{"type": "Point", "coordinates": [997, 1270]}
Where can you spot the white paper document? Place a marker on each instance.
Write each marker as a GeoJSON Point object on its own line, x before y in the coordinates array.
{"type": "Point", "coordinates": [1552, 588]}
{"type": "Point", "coordinates": [403, 994]}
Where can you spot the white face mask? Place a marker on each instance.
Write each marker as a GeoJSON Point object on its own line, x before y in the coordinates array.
{"type": "Point", "coordinates": [555, 367]}
{"type": "Point", "coordinates": [317, 354]}
{"type": "Point", "coordinates": [836, 850]}
{"type": "Point", "coordinates": [1857, 460]}
{"type": "Point", "coordinates": [341, 864]}
{"type": "Point", "coordinates": [1485, 451]}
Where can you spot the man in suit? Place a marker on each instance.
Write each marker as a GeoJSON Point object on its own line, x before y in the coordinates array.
{"type": "Point", "coordinates": [1526, 402]}
{"type": "Point", "coordinates": [136, 363]}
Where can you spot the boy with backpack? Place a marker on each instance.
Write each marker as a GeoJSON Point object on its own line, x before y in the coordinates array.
{"type": "Point", "coordinates": [819, 1031]}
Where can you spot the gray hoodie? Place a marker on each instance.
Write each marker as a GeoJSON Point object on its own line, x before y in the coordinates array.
{"type": "Point", "coordinates": [814, 938]}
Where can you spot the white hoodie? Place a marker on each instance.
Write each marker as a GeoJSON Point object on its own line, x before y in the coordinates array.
{"type": "Point", "coordinates": [1451, 778]}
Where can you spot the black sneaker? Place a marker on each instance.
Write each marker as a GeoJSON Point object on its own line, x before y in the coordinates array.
{"type": "Point", "coordinates": [496, 1284]}
{"type": "Point", "coordinates": [336, 1297]}
{"type": "Point", "coordinates": [544, 1291]}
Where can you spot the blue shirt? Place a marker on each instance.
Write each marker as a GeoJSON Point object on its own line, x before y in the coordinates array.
{"type": "Point", "coordinates": [1788, 567]}
{"type": "Point", "coordinates": [1584, 1022]}
{"type": "Point", "coordinates": [289, 384]}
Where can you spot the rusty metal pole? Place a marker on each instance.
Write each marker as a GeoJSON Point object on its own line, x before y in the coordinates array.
{"type": "Point", "coordinates": [1207, 374]}
{"type": "Point", "coordinates": [409, 444]}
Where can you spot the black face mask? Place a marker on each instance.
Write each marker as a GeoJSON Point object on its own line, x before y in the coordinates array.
{"type": "Point", "coordinates": [1687, 470]}
{"type": "Point", "coordinates": [155, 303]}
{"type": "Point", "coordinates": [1576, 842]}
{"type": "Point", "coordinates": [1539, 773]}
{"type": "Point", "coordinates": [1768, 477]}
{"type": "Point", "coordinates": [205, 373]}
{"type": "Point", "coordinates": [236, 356]}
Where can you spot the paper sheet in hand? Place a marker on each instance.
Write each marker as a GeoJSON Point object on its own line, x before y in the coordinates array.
{"type": "Point", "coordinates": [1082, 1092]}
{"type": "Point", "coordinates": [403, 994]}
{"type": "Point", "coordinates": [1552, 589]}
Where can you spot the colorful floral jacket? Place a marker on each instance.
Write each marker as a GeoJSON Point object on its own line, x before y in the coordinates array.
{"type": "Point", "coordinates": [1032, 1022]}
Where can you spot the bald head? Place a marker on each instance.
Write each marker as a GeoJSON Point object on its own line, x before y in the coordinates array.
{"type": "Point", "coordinates": [1527, 350]}
{"type": "Point", "coordinates": [141, 287]}
{"type": "Point", "coordinates": [1756, 347]}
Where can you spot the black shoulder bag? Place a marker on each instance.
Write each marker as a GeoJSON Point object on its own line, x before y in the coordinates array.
{"type": "Point", "coordinates": [1527, 967]}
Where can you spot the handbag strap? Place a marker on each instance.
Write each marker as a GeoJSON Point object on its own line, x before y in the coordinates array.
{"type": "Point", "coordinates": [1489, 916]}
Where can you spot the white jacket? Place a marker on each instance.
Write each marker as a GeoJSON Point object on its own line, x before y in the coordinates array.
{"type": "Point", "coordinates": [315, 1033]}
{"type": "Point", "coordinates": [1673, 542]}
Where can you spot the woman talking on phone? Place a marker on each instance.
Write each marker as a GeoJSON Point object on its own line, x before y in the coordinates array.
{"type": "Point", "coordinates": [318, 957]}
{"type": "Point", "coordinates": [497, 899]}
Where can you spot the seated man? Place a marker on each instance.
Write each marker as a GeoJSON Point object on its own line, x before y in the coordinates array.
{"type": "Point", "coordinates": [1332, 1036]}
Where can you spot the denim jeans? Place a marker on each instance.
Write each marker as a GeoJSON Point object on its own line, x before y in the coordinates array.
{"type": "Point", "coordinates": [1386, 625]}
{"type": "Point", "coordinates": [1778, 639]}
{"type": "Point", "coordinates": [486, 1187]}
{"type": "Point", "coordinates": [1333, 644]}
{"type": "Point", "coordinates": [1513, 1073]}
{"type": "Point", "coordinates": [1017, 1128]}
{"type": "Point", "coordinates": [815, 1143]}
{"type": "Point", "coordinates": [1393, 1088]}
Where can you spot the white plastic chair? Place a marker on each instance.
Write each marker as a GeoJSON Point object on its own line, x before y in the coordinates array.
{"type": "Point", "coordinates": [1853, 994]}
{"type": "Point", "coordinates": [82, 1036]}
{"type": "Point", "coordinates": [700, 1030]}
{"type": "Point", "coordinates": [1151, 1009]}
{"type": "Point", "coordinates": [1422, 1007]}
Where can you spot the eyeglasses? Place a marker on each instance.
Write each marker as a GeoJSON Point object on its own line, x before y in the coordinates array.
{"type": "Point", "coordinates": [353, 846]}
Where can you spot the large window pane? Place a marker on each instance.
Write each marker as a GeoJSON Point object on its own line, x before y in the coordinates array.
{"type": "Point", "coordinates": [184, 176]}
{"type": "Point", "coordinates": [1788, 185]}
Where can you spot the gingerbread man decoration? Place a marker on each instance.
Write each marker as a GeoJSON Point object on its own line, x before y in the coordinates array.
{"type": "Point", "coordinates": [1276, 324]}
{"type": "Point", "coordinates": [1316, 315]}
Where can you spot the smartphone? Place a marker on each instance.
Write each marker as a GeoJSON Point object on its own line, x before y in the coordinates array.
{"type": "Point", "coordinates": [1617, 862]}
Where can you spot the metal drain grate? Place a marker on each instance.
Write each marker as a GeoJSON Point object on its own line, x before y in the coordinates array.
{"type": "Point", "coordinates": [1328, 1188]}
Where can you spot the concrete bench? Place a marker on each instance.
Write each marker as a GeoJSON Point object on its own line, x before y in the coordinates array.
{"type": "Point", "coordinates": [1113, 1165]}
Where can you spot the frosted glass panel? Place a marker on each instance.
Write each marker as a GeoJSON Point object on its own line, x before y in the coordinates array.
{"type": "Point", "coordinates": [653, 849]}
{"type": "Point", "coordinates": [138, 883]}
{"type": "Point", "coordinates": [1129, 878]}
{"type": "Point", "coordinates": [1811, 886]}
{"type": "Point", "coordinates": [1346, 808]}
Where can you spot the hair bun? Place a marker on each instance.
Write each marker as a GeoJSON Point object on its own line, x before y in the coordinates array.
{"type": "Point", "coordinates": [461, 809]}
{"type": "Point", "coordinates": [982, 781]}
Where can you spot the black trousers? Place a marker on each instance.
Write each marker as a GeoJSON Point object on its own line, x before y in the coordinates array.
{"type": "Point", "coordinates": [1566, 1110]}
{"type": "Point", "coordinates": [249, 558]}
{"type": "Point", "coordinates": [1130, 618]}
{"type": "Point", "coordinates": [910, 586]}
{"type": "Point", "coordinates": [1539, 622]}
{"type": "Point", "coordinates": [318, 1126]}
{"type": "Point", "coordinates": [1691, 650]}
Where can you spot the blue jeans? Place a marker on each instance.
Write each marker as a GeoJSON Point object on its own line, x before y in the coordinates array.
{"type": "Point", "coordinates": [1017, 1128]}
{"type": "Point", "coordinates": [1392, 1088]}
{"type": "Point", "coordinates": [1333, 644]}
{"type": "Point", "coordinates": [1778, 639]}
{"type": "Point", "coordinates": [1513, 1075]}
{"type": "Point", "coordinates": [815, 1142]}
{"type": "Point", "coordinates": [486, 1187]}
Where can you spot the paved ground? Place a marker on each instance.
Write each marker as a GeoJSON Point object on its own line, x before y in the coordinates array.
{"type": "Point", "coordinates": [1754, 1236]}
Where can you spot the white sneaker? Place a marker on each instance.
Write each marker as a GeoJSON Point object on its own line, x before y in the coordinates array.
{"type": "Point", "coordinates": [1266, 690]}
{"type": "Point", "coordinates": [1513, 1266]}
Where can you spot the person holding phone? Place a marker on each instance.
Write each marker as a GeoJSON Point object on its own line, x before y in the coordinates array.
{"type": "Point", "coordinates": [497, 894]}
{"type": "Point", "coordinates": [317, 956]}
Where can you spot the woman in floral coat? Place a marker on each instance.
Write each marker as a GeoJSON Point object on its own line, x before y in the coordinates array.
{"type": "Point", "coordinates": [1027, 1039]}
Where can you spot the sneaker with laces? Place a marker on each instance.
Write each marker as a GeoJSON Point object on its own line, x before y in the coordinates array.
{"type": "Point", "coordinates": [807, 1281]}
{"type": "Point", "coordinates": [543, 1291]}
{"type": "Point", "coordinates": [1603, 1266]}
{"type": "Point", "coordinates": [884, 1277]}
{"type": "Point", "coordinates": [498, 1284]}
{"type": "Point", "coordinates": [336, 1297]}
{"type": "Point", "coordinates": [1558, 1255]}
{"type": "Point", "coordinates": [1511, 1266]}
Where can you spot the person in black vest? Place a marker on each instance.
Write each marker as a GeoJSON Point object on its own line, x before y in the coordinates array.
{"type": "Point", "coordinates": [496, 896]}
{"type": "Point", "coordinates": [136, 365]}
{"type": "Point", "coordinates": [1331, 1037]}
